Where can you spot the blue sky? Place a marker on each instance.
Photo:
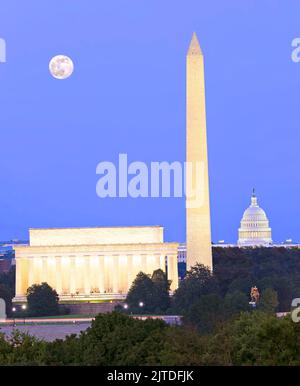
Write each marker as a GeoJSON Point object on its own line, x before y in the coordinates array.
{"type": "Point", "coordinates": [127, 94]}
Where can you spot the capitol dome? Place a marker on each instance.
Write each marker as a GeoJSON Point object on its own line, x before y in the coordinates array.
{"type": "Point", "coordinates": [254, 229]}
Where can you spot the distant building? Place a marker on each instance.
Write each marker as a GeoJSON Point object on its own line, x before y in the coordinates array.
{"type": "Point", "coordinates": [182, 253]}
{"type": "Point", "coordinates": [7, 256]}
{"type": "Point", "coordinates": [254, 229]}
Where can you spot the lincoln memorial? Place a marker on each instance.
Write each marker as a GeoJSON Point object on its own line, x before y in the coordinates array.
{"type": "Point", "coordinates": [92, 263]}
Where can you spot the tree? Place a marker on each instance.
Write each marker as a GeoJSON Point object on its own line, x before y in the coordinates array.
{"type": "Point", "coordinates": [9, 279]}
{"type": "Point", "coordinates": [268, 301]}
{"type": "Point", "coordinates": [256, 338]}
{"type": "Point", "coordinates": [235, 302]}
{"type": "Point", "coordinates": [113, 339]}
{"type": "Point", "coordinates": [161, 287]}
{"type": "Point", "coordinates": [206, 314]}
{"type": "Point", "coordinates": [152, 292]}
{"type": "Point", "coordinates": [141, 290]}
{"type": "Point", "coordinates": [198, 281]}
{"type": "Point", "coordinates": [117, 339]}
{"type": "Point", "coordinates": [252, 338]}
{"type": "Point", "coordinates": [42, 300]}
{"type": "Point", "coordinates": [277, 268]}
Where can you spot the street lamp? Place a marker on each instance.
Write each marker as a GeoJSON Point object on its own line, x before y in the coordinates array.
{"type": "Point", "coordinates": [125, 306]}
{"type": "Point", "coordinates": [24, 307]}
{"type": "Point", "coordinates": [141, 304]}
{"type": "Point", "coordinates": [14, 310]}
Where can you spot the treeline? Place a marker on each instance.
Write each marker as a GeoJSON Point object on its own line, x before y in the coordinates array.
{"type": "Point", "coordinates": [276, 268]}
{"type": "Point", "coordinates": [199, 299]}
{"type": "Point", "coordinates": [254, 338]}
{"type": "Point", "coordinates": [238, 269]}
{"type": "Point", "coordinates": [207, 299]}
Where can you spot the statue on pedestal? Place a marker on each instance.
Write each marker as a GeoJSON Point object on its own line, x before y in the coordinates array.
{"type": "Point", "coordinates": [254, 296]}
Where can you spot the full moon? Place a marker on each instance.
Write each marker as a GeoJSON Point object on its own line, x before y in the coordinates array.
{"type": "Point", "coordinates": [61, 67]}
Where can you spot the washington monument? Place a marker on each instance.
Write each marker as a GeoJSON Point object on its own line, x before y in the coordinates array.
{"type": "Point", "coordinates": [198, 234]}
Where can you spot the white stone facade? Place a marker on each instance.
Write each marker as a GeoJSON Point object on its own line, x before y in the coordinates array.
{"type": "Point", "coordinates": [254, 229]}
{"type": "Point", "coordinates": [79, 263]}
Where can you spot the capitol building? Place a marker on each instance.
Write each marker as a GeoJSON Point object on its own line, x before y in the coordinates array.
{"type": "Point", "coordinates": [254, 229]}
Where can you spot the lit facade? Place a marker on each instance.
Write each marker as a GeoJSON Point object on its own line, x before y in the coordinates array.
{"type": "Point", "coordinates": [254, 229]}
{"type": "Point", "coordinates": [92, 263]}
{"type": "Point", "coordinates": [198, 230]}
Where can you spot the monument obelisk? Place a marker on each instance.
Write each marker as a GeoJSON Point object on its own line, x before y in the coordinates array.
{"type": "Point", "coordinates": [198, 232]}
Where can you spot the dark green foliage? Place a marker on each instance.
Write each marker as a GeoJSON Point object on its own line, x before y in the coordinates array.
{"type": "Point", "coordinates": [9, 279]}
{"type": "Point", "coordinates": [206, 313]}
{"type": "Point", "coordinates": [211, 310]}
{"type": "Point", "coordinates": [207, 299]}
{"type": "Point", "coordinates": [121, 340]}
{"type": "Point", "coordinates": [198, 281]}
{"type": "Point", "coordinates": [7, 288]}
{"type": "Point", "coordinates": [21, 349]}
{"type": "Point", "coordinates": [113, 339]}
{"type": "Point", "coordinates": [42, 300]}
{"type": "Point", "coordinates": [141, 290]}
{"type": "Point", "coordinates": [235, 302]}
{"type": "Point", "coordinates": [275, 271]}
{"type": "Point", "coordinates": [268, 301]}
{"type": "Point", "coordinates": [277, 268]}
{"type": "Point", "coordinates": [200, 300]}
{"type": "Point", "coordinates": [253, 338]}
{"type": "Point", "coordinates": [152, 292]}
{"type": "Point", "coordinates": [256, 339]}
{"type": "Point", "coordinates": [161, 297]}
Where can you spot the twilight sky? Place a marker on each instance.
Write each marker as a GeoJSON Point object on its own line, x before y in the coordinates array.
{"type": "Point", "coordinates": [127, 95]}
